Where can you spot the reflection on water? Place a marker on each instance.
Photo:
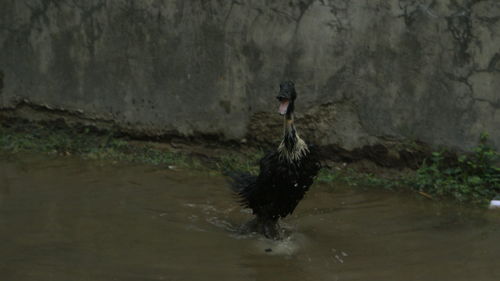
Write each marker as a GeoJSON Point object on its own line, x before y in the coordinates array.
{"type": "Point", "coordinates": [67, 219]}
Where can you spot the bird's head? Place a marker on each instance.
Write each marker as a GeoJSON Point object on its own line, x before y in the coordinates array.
{"type": "Point", "coordinates": [286, 97]}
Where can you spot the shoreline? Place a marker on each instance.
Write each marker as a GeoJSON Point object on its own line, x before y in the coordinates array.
{"type": "Point", "coordinates": [89, 142]}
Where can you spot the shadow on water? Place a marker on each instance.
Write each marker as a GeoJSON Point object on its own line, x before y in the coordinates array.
{"type": "Point", "coordinates": [67, 219]}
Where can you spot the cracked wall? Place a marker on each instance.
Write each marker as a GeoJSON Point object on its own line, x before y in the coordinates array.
{"type": "Point", "coordinates": [366, 71]}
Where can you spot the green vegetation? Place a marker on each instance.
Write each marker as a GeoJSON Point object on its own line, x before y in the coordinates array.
{"type": "Point", "coordinates": [85, 142]}
{"type": "Point", "coordinates": [470, 178]}
{"type": "Point", "coordinates": [355, 178]}
{"type": "Point", "coordinates": [473, 178]}
{"type": "Point", "coordinates": [240, 162]}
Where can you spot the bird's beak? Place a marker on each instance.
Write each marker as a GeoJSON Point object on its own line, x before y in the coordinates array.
{"type": "Point", "coordinates": [283, 105]}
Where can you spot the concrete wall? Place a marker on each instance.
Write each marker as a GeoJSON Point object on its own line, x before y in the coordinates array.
{"type": "Point", "coordinates": [367, 71]}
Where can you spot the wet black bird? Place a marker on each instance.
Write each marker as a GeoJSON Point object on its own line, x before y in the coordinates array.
{"type": "Point", "coordinates": [285, 173]}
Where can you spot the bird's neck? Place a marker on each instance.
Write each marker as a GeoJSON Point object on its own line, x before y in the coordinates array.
{"type": "Point", "coordinates": [290, 135]}
{"type": "Point", "coordinates": [292, 147]}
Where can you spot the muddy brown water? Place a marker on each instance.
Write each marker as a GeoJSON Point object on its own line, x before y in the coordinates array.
{"type": "Point", "coordinates": [68, 219]}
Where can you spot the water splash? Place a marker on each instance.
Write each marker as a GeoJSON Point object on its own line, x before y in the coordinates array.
{"type": "Point", "coordinates": [288, 246]}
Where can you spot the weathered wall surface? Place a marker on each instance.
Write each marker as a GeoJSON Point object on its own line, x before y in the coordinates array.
{"type": "Point", "coordinates": [366, 71]}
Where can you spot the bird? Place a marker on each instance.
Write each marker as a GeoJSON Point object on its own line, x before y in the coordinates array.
{"type": "Point", "coordinates": [286, 173]}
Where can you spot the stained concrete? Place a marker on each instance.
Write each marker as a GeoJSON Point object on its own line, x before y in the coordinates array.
{"type": "Point", "coordinates": [366, 71]}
